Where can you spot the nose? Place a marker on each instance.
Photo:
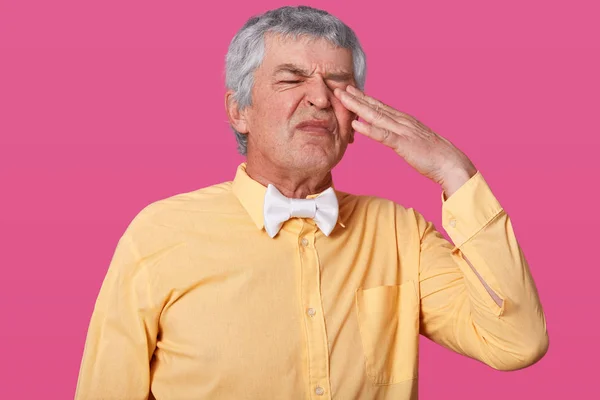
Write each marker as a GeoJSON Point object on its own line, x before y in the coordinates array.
{"type": "Point", "coordinates": [317, 94]}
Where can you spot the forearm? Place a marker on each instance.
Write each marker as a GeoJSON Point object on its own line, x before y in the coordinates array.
{"type": "Point", "coordinates": [504, 302]}
{"type": "Point", "coordinates": [494, 296]}
{"type": "Point", "coordinates": [482, 302]}
{"type": "Point", "coordinates": [451, 183]}
{"type": "Point", "coordinates": [516, 326]}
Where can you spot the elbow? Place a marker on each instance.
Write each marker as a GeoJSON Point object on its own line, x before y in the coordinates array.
{"type": "Point", "coordinates": [528, 355]}
{"type": "Point", "coordinates": [536, 351]}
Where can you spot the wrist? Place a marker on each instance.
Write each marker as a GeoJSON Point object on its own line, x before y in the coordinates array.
{"type": "Point", "coordinates": [453, 180]}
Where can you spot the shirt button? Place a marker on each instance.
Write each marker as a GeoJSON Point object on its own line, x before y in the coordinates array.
{"type": "Point", "coordinates": [311, 311]}
{"type": "Point", "coordinates": [453, 223]}
{"type": "Point", "coordinates": [304, 242]}
{"type": "Point", "coordinates": [319, 390]}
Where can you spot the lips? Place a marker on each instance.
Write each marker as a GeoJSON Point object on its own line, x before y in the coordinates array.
{"type": "Point", "coordinates": [315, 125]}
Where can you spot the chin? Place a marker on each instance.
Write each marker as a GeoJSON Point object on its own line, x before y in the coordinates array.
{"type": "Point", "coordinates": [313, 163]}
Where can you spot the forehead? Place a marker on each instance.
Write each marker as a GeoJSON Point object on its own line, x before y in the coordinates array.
{"type": "Point", "coordinates": [309, 53]}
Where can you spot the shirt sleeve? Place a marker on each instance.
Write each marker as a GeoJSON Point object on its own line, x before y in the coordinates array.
{"type": "Point", "coordinates": [122, 333]}
{"type": "Point", "coordinates": [456, 309]}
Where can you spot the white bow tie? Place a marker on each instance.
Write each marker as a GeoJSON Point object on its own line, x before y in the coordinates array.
{"type": "Point", "coordinates": [323, 209]}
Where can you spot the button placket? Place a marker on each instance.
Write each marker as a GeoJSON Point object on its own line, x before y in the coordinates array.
{"type": "Point", "coordinates": [317, 347]}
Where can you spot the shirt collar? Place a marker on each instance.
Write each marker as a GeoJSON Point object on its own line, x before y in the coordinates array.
{"type": "Point", "coordinates": [252, 196]}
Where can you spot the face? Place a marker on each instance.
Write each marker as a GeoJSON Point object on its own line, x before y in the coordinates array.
{"type": "Point", "coordinates": [293, 85]}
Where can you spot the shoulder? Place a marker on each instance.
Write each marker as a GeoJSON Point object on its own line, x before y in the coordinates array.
{"type": "Point", "coordinates": [173, 209]}
{"type": "Point", "coordinates": [370, 207]}
{"type": "Point", "coordinates": [382, 221]}
{"type": "Point", "coordinates": [170, 219]}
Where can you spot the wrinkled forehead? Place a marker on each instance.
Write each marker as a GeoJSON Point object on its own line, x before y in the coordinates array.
{"type": "Point", "coordinates": [309, 53]}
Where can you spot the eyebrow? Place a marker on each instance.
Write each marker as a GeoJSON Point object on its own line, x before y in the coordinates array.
{"type": "Point", "coordinates": [297, 70]}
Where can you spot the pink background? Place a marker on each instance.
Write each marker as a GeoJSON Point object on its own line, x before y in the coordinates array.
{"type": "Point", "coordinates": [109, 106]}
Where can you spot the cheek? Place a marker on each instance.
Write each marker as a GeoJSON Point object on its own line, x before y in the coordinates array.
{"type": "Point", "coordinates": [272, 107]}
{"type": "Point", "coordinates": [344, 116]}
{"type": "Point", "coordinates": [280, 109]}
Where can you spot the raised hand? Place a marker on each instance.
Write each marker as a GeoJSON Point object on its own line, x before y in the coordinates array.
{"type": "Point", "coordinates": [429, 153]}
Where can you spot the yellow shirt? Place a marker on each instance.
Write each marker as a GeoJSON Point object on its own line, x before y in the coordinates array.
{"type": "Point", "coordinates": [200, 303]}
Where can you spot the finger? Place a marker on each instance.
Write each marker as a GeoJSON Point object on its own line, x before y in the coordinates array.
{"type": "Point", "coordinates": [373, 115]}
{"type": "Point", "coordinates": [377, 105]}
{"type": "Point", "coordinates": [380, 135]}
{"type": "Point", "coordinates": [370, 100]}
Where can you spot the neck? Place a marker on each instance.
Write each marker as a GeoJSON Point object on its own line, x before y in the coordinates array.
{"type": "Point", "coordinates": [293, 184]}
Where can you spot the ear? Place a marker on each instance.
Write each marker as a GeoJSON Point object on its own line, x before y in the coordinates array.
{"type": "Point", "coordinates": [236, 118]}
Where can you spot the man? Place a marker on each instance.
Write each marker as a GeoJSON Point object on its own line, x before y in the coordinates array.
{"type": "Point", "coordinates": [276, 285]}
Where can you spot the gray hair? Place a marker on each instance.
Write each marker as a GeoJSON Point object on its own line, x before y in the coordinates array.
{"type": "Point", "coordinates": [247, 48]}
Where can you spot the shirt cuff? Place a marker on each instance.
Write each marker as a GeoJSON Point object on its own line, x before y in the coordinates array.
{"type": "Point", "coordinates": [469, 209]}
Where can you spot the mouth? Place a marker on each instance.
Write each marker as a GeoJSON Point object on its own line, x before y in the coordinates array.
{"type": "Point", "coordinates": [315, 131]}
{"type": "Point", "coordinates": [315, 127]}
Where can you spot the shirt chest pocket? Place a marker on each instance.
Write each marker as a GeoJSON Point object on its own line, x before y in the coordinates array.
{"type": "Point", "coordinates": [388, 319]}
